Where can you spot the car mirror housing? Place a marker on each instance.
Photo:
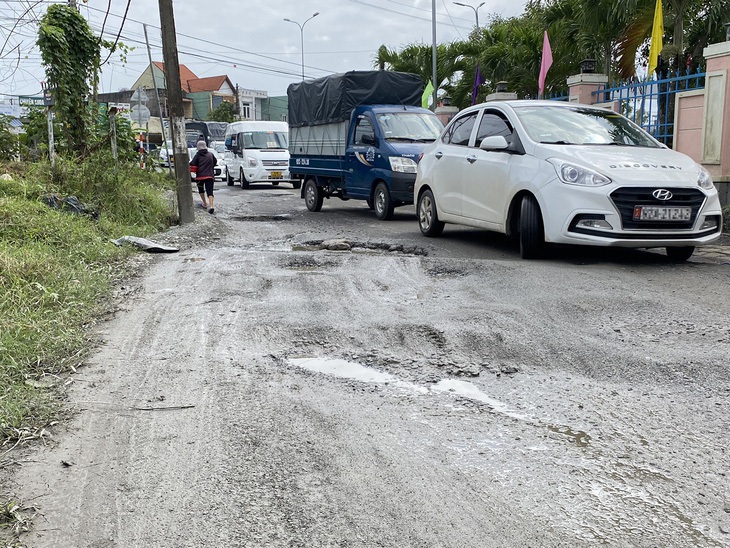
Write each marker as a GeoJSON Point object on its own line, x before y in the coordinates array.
{"type": "Point", "coordinates": [494, 142]}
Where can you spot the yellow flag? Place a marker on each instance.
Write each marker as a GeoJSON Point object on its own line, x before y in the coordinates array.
{"type": "Point", "coordinates": [426, 94]}
{"type": "Point", "coordinates": [657, 33]}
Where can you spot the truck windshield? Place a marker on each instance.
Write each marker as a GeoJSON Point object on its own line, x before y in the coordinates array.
{"type": "Point", "coordinates": [265, 139]}
{"type": "Point", "coordinates": [411, 126]}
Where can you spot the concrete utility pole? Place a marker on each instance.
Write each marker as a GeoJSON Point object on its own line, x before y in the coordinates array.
{"type": "Point", "coordinates": [177, 113]}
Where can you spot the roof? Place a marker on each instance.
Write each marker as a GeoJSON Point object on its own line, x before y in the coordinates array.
{"type": "Point", "coordinates": [186, 75]}
{"type": "Point", "coordinates": [212, 83]}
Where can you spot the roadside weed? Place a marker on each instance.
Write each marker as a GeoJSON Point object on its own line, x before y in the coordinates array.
{"type": "Point", "coordinates": [57, 273]}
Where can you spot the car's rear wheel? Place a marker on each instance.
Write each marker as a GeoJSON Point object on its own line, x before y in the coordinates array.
{"type": "Point", "coordinates": [369, 201]}
{"type": "Point", "coordinates": [242, 178]}
{"type": "Point", "coordinates": [313, 196]}
{"type": "Point", "coordinates": [532, 230]}
{"type": "Point", "coordinates": [680, 254]}
{"type": "Point", "coordinates": [382, 203]}
{"type": "Point", "coordinates": [428, 218]}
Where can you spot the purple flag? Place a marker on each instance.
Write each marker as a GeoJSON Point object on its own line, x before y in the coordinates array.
{"type": "Point", "coordinates": [478, 81]}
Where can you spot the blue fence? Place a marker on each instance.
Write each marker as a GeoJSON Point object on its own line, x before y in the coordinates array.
{"type": "Point", "coordinates": [650, 103]}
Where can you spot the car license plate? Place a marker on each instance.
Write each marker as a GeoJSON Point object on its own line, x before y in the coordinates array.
{"type": "Point", "coordinates": [276, 175]}
{"type": "Point", "coordinates": [661, 213]}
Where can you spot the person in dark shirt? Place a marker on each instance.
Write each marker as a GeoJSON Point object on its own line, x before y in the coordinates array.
{"type": "Point", "coordinates": [202, 165]}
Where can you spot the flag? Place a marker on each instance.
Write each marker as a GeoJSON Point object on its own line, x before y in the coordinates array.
{"type": "Point", "coordinates": [426, 94]}
{"type": "Point", "coordinates": [478, 81]}
{"type": "Point", "coordinates": [547, 61]}
{"type": "Point", "coordinates": [657, 33]}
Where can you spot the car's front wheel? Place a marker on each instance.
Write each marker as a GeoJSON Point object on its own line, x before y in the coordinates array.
{"type": "Point", "coordinates": [382, 203]}
{"type": "Point", "coordinates": [313, 196]}
{"type": "Point", "coordinates": [532, 230]}
{"type": "Point", "coordinates": [229, 179]}
{"type": "Point", "coordinates": [428, 218]}
{"type": "Point", "coordinates": [242, 178]}
{"type": "Point", "coordinates": [680, 254]}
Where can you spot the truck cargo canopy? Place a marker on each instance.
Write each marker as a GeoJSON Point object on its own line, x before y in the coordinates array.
{"type": "Point", "coordinates": [331, 98]}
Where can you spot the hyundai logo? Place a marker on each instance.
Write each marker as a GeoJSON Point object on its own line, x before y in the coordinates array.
{"type": "Point", "coordinates": [662, 194]}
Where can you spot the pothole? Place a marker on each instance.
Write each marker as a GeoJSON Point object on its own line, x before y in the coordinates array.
{"type": "Point", "coordinates": [307, 263]}
{"type": "Point", "coordinates": [444, 271]}
{"type": "Point", "coordinates": [261, 218]}
{"type": "Point", "coordinates": [355, 246]}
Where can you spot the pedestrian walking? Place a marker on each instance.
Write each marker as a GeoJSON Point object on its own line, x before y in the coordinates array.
{"type": "Point", "coordinates": [202, 165]}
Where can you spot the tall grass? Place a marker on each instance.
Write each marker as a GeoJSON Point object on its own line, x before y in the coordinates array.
{"type": "Point", "coordinates": [57, 270]}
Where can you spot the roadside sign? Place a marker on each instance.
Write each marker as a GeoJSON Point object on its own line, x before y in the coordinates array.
{"type": "Point", "coordinates": [139, 114]}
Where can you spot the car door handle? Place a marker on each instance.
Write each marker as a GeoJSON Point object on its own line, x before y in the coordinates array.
{"type": "Point", "coordinates": [438, 155]}
{"type": "Point", "coordinates": [471, 159]}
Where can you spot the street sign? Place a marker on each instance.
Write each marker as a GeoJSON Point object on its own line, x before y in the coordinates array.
{"type": "Point", "coordinates": [139, 96]}
{"type": "Point", "coordinates": [139, 114]}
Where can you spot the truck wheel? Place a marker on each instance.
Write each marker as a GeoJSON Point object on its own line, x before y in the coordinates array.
{"type": "Point", "coordinates": [382, 203]}
{"type": "Point", "coordinates": [680, 254]}
{"type": "Point", "coordinates": [296, 184]}
{"type": "Point", "coordinates": [274, 183]}
{"type": "Point", "coordinates": [313, 196]}
{"type": "Point", "coordinates": [428, 219]}
{"type": "Point", "coordinates": [229, 179]}
{"type": "Point", "coordinates": [532, 230]}
{"type": "Point", "coordinates": [242, 178]}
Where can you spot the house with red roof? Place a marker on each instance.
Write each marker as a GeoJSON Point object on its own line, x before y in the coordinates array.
{"type": "Point", "coordinates": [200, 95]}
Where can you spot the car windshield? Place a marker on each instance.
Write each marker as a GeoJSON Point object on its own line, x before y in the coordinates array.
{"type": "Point", "coordinates": [581, 126]}
{"type": "Point", "coordinates": [411, 126]}
{"type": "Point", "coordinates": [265, 139]}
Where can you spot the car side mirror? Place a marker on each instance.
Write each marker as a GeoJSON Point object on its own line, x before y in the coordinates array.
{"type": "Point", "coordinates": [494, 142]}
{"type": "Point", "coordinates": [369, 139]}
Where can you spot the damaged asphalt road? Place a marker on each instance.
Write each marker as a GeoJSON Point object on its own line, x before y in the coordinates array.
{"type": "Point", "coordinates": [327, 379]}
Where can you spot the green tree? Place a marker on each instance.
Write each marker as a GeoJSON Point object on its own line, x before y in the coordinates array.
{"type": "Point", "coordinates": [70, 54]}
{"type": "Point", "coordinates": [225, 112]}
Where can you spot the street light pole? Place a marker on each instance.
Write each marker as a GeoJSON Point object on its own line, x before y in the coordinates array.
{"type": "Point", "coordinates": [301, 31]}
{"type": "Point", "coordinates": [476, 10]}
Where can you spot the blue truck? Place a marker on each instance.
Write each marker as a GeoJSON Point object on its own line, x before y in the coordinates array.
{"type": "Point", "coordinates": [359, 135]}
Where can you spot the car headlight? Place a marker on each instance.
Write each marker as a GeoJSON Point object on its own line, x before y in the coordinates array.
{"type": "Point", "coordinates": [402, 165]}
{"type": "Point", "coordinates": [252, 162]}
{"type": "Point", "coordinates": [704, 180]}
{"type": "Point", "coordinates": [574, 174]}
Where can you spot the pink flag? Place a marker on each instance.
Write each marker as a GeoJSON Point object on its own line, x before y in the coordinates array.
{"type": "Point", "coordinates": [547, 61]}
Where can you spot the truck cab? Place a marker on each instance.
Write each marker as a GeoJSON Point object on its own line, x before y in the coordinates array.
{"type": "Point", "coordinates": [383, 145]}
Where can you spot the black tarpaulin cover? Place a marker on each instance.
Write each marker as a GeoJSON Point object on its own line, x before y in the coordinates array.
{"type": "Point", "coordinates": [331, 98]}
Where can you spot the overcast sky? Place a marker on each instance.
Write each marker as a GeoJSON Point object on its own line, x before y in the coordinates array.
{"type": "Point", "coordinates": [249, 40]}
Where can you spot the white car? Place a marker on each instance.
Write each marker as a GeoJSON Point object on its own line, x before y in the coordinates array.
{"type": "Point", "coordinates": [565, 173]}
{"type": "Point", "coordinates": [166, 154]}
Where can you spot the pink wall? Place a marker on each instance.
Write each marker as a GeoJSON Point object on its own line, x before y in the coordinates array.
{"type": "Point", "coordinates": [689, 116]}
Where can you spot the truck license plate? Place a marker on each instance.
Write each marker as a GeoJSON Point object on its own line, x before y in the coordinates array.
{"type": "Point", "coordinates": [661, 213]}
{"type": "Point", "coordinates": [276, 175]}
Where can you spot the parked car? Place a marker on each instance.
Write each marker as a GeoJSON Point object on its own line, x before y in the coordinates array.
{"type": "Point", "coordinates": [166, 154]}
{"type": "Point", "coordinates": [217, 170]}
{"type": "Point", "coordinates": [565, 173]}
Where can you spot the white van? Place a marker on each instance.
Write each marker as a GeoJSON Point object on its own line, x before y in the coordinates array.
{"type": "Point", "coordinates": [258, 152]}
